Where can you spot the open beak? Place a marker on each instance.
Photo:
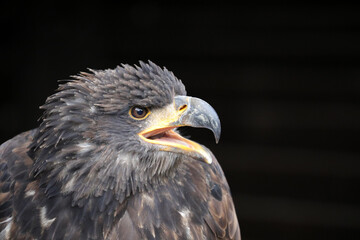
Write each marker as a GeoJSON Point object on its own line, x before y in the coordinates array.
{"type": "Point", "coordinates": [186, 111]}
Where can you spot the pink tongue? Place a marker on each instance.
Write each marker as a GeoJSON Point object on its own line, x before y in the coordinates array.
{"type": "Point", "coordinates": [157, 136]}
{"type": "Point", "coordinates": [169, 137]}
{"type": "Point", "coordinates": [158, 133]}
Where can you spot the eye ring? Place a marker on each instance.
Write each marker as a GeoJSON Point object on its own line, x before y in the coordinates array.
{"type": "Point", "coordinates": [139, 113]}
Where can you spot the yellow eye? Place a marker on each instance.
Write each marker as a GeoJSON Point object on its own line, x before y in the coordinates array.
{"type": "Point", "coordinates": [139, 113]}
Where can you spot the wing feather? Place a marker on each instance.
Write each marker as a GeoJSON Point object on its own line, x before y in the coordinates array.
{"type": "Point", "coordinates": [14, 169]}
{"type": "Point", "coordinates": [222, 219]}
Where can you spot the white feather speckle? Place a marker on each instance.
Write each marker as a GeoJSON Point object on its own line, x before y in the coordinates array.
{"type": "Point", "coordinates": [45, 222]}
{"type": "Point", "coordinates": [185, 213]}
{"type": "Point", "coordinates": [5, 233]}
{"type": "Point", "coordinates": [30, 193]}
{"type": "Point", "coordinates": [93, 109]}
{"type": "Point", "coordinates": [85, 147]}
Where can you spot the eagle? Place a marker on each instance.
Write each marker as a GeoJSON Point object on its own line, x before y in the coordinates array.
{"type": "Point", "coordinates": [108, 161]}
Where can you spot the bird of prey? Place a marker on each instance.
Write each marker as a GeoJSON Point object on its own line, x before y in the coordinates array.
{"type": "Point", "coordinates": [107, 162]}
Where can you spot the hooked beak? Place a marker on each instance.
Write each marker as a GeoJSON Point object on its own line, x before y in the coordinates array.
{"type": "Point", "coordinates": [185, 111]}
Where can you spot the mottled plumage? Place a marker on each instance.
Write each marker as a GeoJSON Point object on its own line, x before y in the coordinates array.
{"type": "Point", "coordinates": [93, 171]}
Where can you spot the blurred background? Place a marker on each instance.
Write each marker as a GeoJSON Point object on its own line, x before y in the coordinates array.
{"type": "Point", "coordinates": [284, 79]}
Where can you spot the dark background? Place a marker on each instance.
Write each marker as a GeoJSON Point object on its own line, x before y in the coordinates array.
{"type": "Point", "coordinates": [285, 81]}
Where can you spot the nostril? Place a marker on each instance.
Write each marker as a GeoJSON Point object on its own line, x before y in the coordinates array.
{"type": "Point", "coordinates": [183, 107]}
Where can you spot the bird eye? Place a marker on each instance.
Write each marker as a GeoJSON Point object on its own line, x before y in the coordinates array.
{"type": "Point", "coordinates": [139, 113]}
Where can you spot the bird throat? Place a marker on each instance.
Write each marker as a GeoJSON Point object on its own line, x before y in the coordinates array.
{"type": "Point", "coordinates": [102, 169]}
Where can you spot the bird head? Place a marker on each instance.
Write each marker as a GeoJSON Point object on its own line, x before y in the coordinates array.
{"type": "Point", "coordinates": [119, 127]}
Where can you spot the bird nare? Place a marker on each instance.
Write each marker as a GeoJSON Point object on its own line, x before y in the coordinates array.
{"type": "Point", "coordinates": [107, 162]}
